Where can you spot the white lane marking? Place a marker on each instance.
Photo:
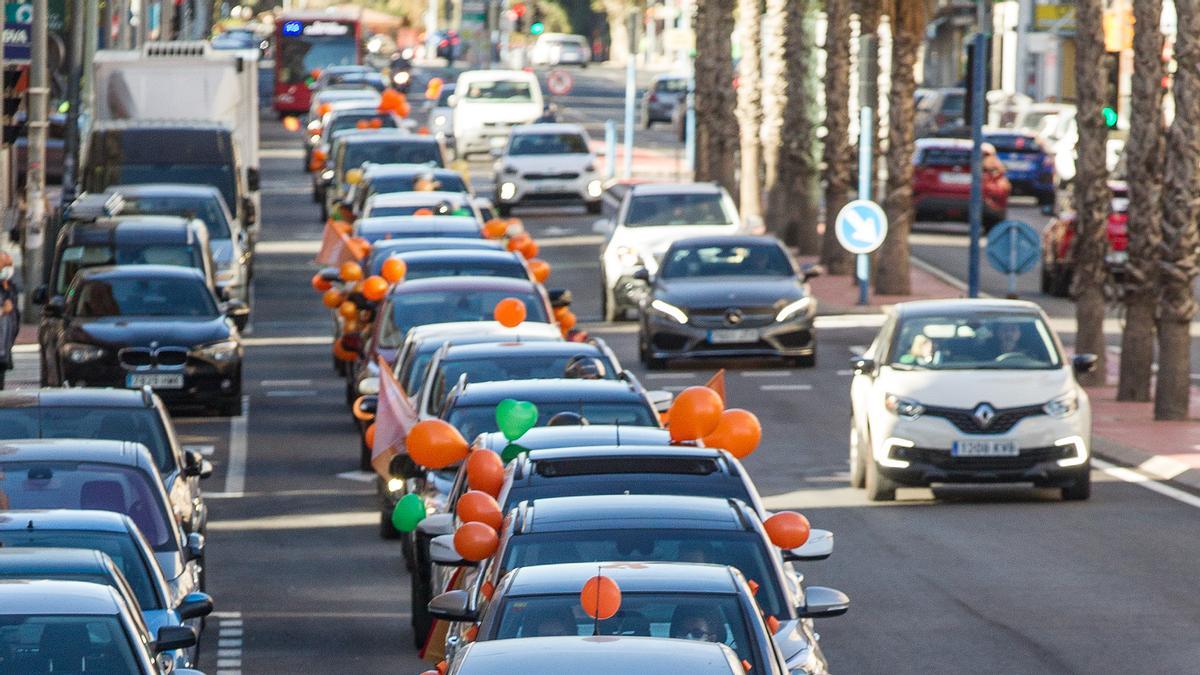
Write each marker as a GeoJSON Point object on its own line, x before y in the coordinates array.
{"type": "Point", "coordinates": [786, 387]}
{"type": "Point", "coordinates": [280, 153]}
{"type": "Point", "coordinates": [668, 376]}
{"type": "Point", "coordinates": [25, 349]}
{"type": "Point", "coordinates": [226, 644]}
{"type": "Point", "coordinates": [272, 384]}
{"type": "Point", "coordinates": [571, 240]}
{"type": "Point", "coordinates": [229, 640]}
{"type": "Point", "coordinates": [766, 373]}
{"type": "Point", "coordinates": [1131, 476]}
{"type": "Point", "coordinates": [296, 522]}
{"type": "Point", "coordinates": [675, 387]}
{"type": "Point", "coordinates": [229, 653]}
{"type": "Point", "coordinates": [358, 476]}
{"type": "Point", "coordinates": [293, 341]}
{"type": "Point", "coordinates": [856, 350]}
{"type": "Point", "coordinates": [291, 393]}
{"type": "Point", "coordinates": [235, 474]}
{"type": "Point", "coordinates": [206, 450]}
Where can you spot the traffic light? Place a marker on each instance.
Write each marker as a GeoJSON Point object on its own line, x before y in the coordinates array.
{"type": "Point", "coordinates": [537, 28]}
{"type": "Point", "coordinates": [1110, 117]}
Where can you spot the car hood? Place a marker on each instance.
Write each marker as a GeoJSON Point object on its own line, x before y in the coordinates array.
{"type": "Point", "coordinates": [724, 292]}
{"type": "Point", "coordinates": [135, 332]}
{"type": "Point", "coordinates": [548, 163]}
{"type": "Point", "coordinates": [968, 388]}
{"type": "Point", "coordinates": [656, 240]}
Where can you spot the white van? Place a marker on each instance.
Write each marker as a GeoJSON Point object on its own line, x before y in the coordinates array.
{"type": "Point", "coordinates": [488, 103]}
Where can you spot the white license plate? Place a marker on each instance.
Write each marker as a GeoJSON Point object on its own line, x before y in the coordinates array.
{"type": "Point", "coordinates": [1117, 258]}
{"type": "Point", "coordinates": [955, 178]}
{"type": "Point", "coordinates": [549, 186]}
{"type": "Point", "coordinates": [1018, 164]}
{"type": "Point", "coordinates": [985, 449]}
{"type": "Point", "coordinates": [732, 336]}
{"type": "Point", "coordinates": [155, 380]}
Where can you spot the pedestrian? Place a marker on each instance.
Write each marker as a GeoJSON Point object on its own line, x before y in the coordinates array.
{"type": "Point", "coordinates": [10, 314]}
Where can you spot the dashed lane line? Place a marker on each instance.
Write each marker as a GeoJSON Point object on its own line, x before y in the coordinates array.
{"type": "Point", "coordinates": [766, 373]}
{"type": "Point", "coordinates": [786, 387]}
{"type": "Point", "coordinates": [230, 636]}
{"type": "Point", "coordinates": [1141, 479]}
{"type": "Point", "coordinates": [235, 474]}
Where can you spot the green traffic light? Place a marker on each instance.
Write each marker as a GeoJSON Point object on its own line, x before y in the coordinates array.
{"type": "Point", "coordinates": [1110, 117]}
{"type": "Point", "coordinates": [537, 28]}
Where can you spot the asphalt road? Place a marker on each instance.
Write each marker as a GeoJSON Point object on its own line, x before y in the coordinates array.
{"type": "Point", "coordinates": [967, 580]}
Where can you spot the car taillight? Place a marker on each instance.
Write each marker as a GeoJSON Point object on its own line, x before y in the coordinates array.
{"type": "Point", "coordinates": [1118, 231]}
{"type": "Point", "coordinates": [653, 97]}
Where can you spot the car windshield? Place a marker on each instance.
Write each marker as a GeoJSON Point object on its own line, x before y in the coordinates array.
{"type": "Point", "coordinates": [472, 420]}
{"type": "Point", "coordinates": [87, 485]}
{"type": "Point", "coordinates": [726, 260]}
{"type": "Point", "coordinates": [361, 120]}
{"type": "Point", "coordinates": [66, 643]}
{"type": "Point", "coordinates": [117, 545]}
{"type": "Point", "coordinates": [164, 296]}
{"type": "Point", "coordinates": [507, 366]}
{"type": "Point", "coordinates": [673, 85]}
{"type": "Point", "coordinates": [444, 182]}
{"type": "Point", "coordinates": [207, 209]}
{"type": "Point", "coordinates": [677, 209]}
{"type": "Point", "coordinates": [411, 210]}
{"type": "Point", "coordinates": [745, 551]}
{"type": "Point", "coordinates": [395, 152]}
{"type": "Point", "coordinates": [408, 310]}
{"type": "Point", "coordinates": [992, 342]}
{"type": "Point", "coordinates": [499, 91]}
{"type": "Point", "coordinates": [506, 269]}
{"type": "Point", "coordinates": [220, 176]}
{"type": "Point", "coordinates": [548, 144]}
{"type": "Point", "coordinates": [298, 57]}
{"type": "Point", "coordinates": [137, 425]}
{"type": "Point", "coordinates": [75, 258]}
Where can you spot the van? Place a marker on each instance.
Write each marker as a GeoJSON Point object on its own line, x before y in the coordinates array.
{"type": "Point", "coordinates": [488, 103]}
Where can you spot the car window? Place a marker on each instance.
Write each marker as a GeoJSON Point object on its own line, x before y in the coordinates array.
{"type": "Point", "coordinates": [361, 121]}
{"type": "Point", "coordinates": [505, 269]}
{"type": "Point", "coordinates": [499, 91]}
{"type": "Point", "coordinates": [177, 255]}
{"type": "Point", "coordinates": [506, 366]}
{"type": "Point", "coordinates": [137, 425]}
{"type": "Point", "coordinates": [408, 310]}
{"type": "Point", "coordinates": [125, 554]}
{"type": "Point", "coordinates": [143, 297]}
{"type": "Point", "coordinates": [952, 103]}
{"type": "Point", "coordinates": [385, 211]}
{"type": "Point", "coordinates": [75, 258]}
{"type": "Point", "coordinates": [443, 182]}
{"type": "Point", "coordinates": [51, 643]}
{"type": "Point", "coordinates": [206, 209]}
{"type": "Point", "coordinates": [548, 144]}
{"type": "Point", "coordinates": [677, 209]}
{"type": "Point", "coordinates": [945, 157]}
{"type": "Point", "coordinates": [717, 260]}
{"type": "Point", "coordinates": [221, 176]}
{"type": "Point", "coordinates": [993, 342]}
{"type": "Point", "coordinates": [472, 420]}
{"type": "Point", "coordinates": [672, 85]}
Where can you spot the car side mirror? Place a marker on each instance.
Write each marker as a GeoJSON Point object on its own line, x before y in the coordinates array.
{"type": "Point", "coordinates": [560, 297]}
{"type": "Point", "coordinates": [863, 366]}
{"type": "Point", "coordinates": [249, 213]}
{"type": "Point", "coordinates": [170, 638]}
{"type": "Point", "coordinates": [452, 100]}
{"type": "Point", "coordinates": [253, 182]}
{"type": "Point", "coordinates": [442, 552]}
{"type": "Point", "coordinates": [195, 606]}
{"type": "Point", "coordinates": [821, 603]}
{"type": "Point", "coordinates": [40, 295]}
{"type": "Point", "coordinates": [56, 307]}
{"type": "Point", "coordinates": [403, 466]}
{"type": "Point", "coordinates": [437, 525]}
{"type": "Point", "coordinates": [330, 274]}
{"type": "Point", "coordinates": [195, 546]}
{"type": "Point", "coordinates": [818, 547]}
{"type": "Point", "coordinates": [238, 312]}
{"type": "Point", "coordinates": [369, 386]}
{"type": "Point", "coordinates": [660, 399]}
{"type": "Point", "coordinates": [811, 271]}
{"type": "Point", "coordinates": [452, 606]}
{"type": "Point", "coordinates": [603, 226]}
{"type": "Point", "coordinates": [1084, 363]}
{"type": "Point", "coordinates": [642, 274]}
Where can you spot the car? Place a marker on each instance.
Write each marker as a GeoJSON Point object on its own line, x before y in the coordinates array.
{"type": "Point", "coordinates": [343, 116]}
{"type": "Point", "coordinates": [382, 228]}
{"type": "Point", "coordinates": [650, 218]}
{"type": "Point", "coordinates": [969, 391]}
{"type": "Point", "coordinates": [240, 38]}
{"type": "Point", "coordinates": [942, 181]}
{"type": "Point", "coordinates": [231, 246]}
{"type": "Point", "coordinates": [112, 476]}
{"type": "Point", "coordinates": [382, 249]}
{"type": "Point", "coordinates": [377, 146]}
{"type": "Point", "coordinates": [435, 263]}
{"type": "Point", "coordinates": [1058, 256]}
{"type": "Point", "coordinates": [603, 655]}
{"type": "Point", "coordinates": [439, 118]}
{"type": "Point", "coordinates": [147, 325]}
{"type": "Point", "coordinates": [667, 92]}
{"type": "Point", "coordinates": [361, 95]}
{"type": "Point", "coordinates": [488, 103]}
{"type": "Point", "coordinates": [560, 49]}
{"type": "Point", "coordinates": [547, 162]}
{"type": "Point", "coordinates": [137, 416]}
{"type": "Point", "coordinates": [727, 296]}
{"type": "Point", "coordinates": [148, 593]}
{"type": "Point", "coordinates": [437, 203]}
{"type": "Point", "coordinates": [1028, 162]}
{"type": "Point", "coordinates": [939, 109]}
{"type": "Point", "coordinates": [385, 178]}
{"type": "Point", "coordinates": [75, 626]}
{"type": "Point", "coordinates": [1044, 119]}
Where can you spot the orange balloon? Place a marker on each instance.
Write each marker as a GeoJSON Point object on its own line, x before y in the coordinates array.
{"type": "Point", "coordinates": [567, 321]}
{"type": "Point", "coordinates": [435, 444]}
{"type": "Point", "coordinates": [540, 270]}
{"type": "Point", "coordinates": [485, 472]}
{"type": "Point", "coordinates": [361, 247]}
{"type": "Point", "coordinates": [332, 298]}
{"type": "Point", "coordinates": [510, 312]}
{"type": "Point", "coordinates": [529, 249]}
{"type": "Point", "coordinates": [348, 310]}
{"type": "Point", "coordinates": [341, 353]}
{"type": "Point", "coordinates": [394, 102]}
{"type": "Point", "coordinates": [739, 432]}
{"type": "Point", "coordinates": [695, 413]}
{"type": "Point", "coordinates": [349, 325]}
{"type": "Point", "coordinates": [320, 284]}
{"type": "Point", "coordinates": [787, 529]}
{"type": "Point", "coordinates": [369, 435]}
{"type": "Point", "coordinates": [374, 288]}
{"type": "Point", "coordinates": [479, 507]}
{"type": "Point", "coordinates": [475, 541]}
{"type": "Point", "coordinates": [515, 243]}
{"type": "Point", "coordinates": [394, 270]}
{"type": "Point", "coordinates": [560, 312]}
{"type": "Point", "coordinates": [600, 597]}
{"type": "Point", "coordinates": [495, 228]}
{"type": "Point", "coordinates": [351, 271]}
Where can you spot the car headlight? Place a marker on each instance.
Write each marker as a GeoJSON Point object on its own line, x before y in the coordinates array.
{"type": "Point", "coordinates": [81, 353]}
{"type": "Point", "coordinates": [395, 484]}
{"type": "Point", "coordinates": [1063, 406]}
{"type": "Point", "coordinates": [401, 78]}
{"type": "Point", "coordinates": [314, 125]}
{"type": "Point", "coordinates": [595, 188]}
{"type": "Point", "coordinates": [670, 310]}
{"type": "Point", "coordinates": [628, 256]}
{"type": "Point", "coordinates": [327, 174]}
{"type": "Point", "coordinates": [508, 190]}
{"type": "Point", "coordinates": [903, 407]}
{"type": "Point", "coordinates": [218, 352]}
{"type": "Point", "coordinates": [802, 306]}
{"type": "Point", "coordinates": [439, 121]}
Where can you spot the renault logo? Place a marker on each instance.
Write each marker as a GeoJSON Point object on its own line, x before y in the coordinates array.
{"type": "Point", "coordinates": [733, 317]}
{"type": "Point", "coordinates": [984, 414]}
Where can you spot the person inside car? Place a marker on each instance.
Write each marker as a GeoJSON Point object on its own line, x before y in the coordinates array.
{"type": "Point", "coordinates": [554, 621]}
{"type": "Point", "coordinates": [697, 622]}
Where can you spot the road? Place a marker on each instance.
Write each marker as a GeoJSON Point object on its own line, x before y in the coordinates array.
{"type": "Point", "coordinates": [970, 579]}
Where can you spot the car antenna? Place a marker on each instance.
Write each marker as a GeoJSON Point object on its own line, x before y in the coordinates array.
{"type": "Point", "coordinates": [595, 617]}
{"type": "Point", "coordinates": [617, 424]}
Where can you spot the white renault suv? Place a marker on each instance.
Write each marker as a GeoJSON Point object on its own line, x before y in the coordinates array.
{"type": "Point", "coordinates": [969, 391]}
{"type": "Point", "coordinates": [547, 162]}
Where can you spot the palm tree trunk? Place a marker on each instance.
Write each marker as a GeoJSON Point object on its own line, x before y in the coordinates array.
{"type": "Point", "coordinates": [1177, 269]}
{"type": "Point", "coordinates": [838, 153]}
{"type": "Point", "coordinates": [716, 127]}
{"type": "Point", "coordinates": [1144, 157]}
{"type": "Point", "coordinates": [908, 33]}
{"type": "Point", "coordinates": [870, 15]}
{"type": "Point", "coordinates": [749, 108]}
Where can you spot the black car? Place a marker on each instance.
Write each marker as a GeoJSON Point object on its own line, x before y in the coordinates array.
{"type": "Point", "coordinates": [385, 178]}
{"type": "Point", "coordinates": [727, 296]}
{"type": "Point", "coordinates": [147, 325]}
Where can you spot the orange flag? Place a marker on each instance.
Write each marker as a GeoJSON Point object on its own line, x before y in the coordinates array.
{"type": "Point", "coordinates": [333, 243]}
{"type": "Point", "coordinates": [395, 415]}
{"type": "Point", "coordinates": [717, 384]}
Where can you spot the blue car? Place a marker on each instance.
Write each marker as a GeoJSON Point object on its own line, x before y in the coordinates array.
{"type": "Point", "coordinates": [1028, 162]}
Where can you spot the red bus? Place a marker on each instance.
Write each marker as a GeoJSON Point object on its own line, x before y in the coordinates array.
{"type": "Point", "coordinates": [306, 42]}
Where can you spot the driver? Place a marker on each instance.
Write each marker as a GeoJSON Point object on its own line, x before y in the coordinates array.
{"type": "Point", "coordinates": [697, 622]}
{"type": "Point", "coordinates": [554, 621]}
{"type": "Point", "coordinates": [920, 352]}
{"type": "Point", "coordinates": [1008, 339]}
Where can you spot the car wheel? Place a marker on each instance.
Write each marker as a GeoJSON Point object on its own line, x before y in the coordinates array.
{"type": "Point", "coordinates": [422, 622]}
{"type": "Point", "coordinates": [880, 488]}
{"type": "Point", "coordinates": [351, 390]}
{"type": "Point", "coordinates": [858, 467]}
{"type": "Point", "coordinates": [1081, 489]}
{"type": "Point", "coordinates": [231, 407]}
{"type": "Point", "coordinates": [364, 454]}
{"type": "Point", "coordinates": [406, 550]}
{"type": "Point", "coordinates": [805, 361]}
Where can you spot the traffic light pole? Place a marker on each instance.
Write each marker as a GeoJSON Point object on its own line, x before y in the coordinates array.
{"type": "Point", "coordinates": [978, 99]}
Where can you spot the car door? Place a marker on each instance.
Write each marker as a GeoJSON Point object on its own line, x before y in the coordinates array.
{"type": "Point", "coordinates": [862, 385]}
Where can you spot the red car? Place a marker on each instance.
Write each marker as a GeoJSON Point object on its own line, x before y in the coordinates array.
{"type": "Point", "coordinates": [942, 181]}
{"type": "Point", "coordinates": [1058, 263]}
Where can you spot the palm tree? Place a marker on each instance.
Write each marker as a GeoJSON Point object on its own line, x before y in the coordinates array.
{"type": "Point", "coordinates": [1144, 159]}
{"type": "Point", "coordinates": [749, 107]}
{"type": "Point", "coordinates": [1091, 193]}
{"type": "Point", "coordinates": [908, 34]}
{"type": "Point", "coordinates": [716, 127]}
{"type": "Point", "coordinates": [1177, 269]}
{"type": "Point", "coordinates": [838, 152]}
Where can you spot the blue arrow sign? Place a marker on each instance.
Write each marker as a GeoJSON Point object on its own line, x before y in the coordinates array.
{"type": "Point", "coordinates": [1013, 247]}
{"type": "Point", "coordinates": [861, 226]}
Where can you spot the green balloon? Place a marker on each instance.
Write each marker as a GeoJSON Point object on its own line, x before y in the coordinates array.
{"type": "Point", "coordinates": [515, 417]}
{"type": "Point", "coordinates": [511, 451]}
{"type": "Point", "coordinates": [409, 511]}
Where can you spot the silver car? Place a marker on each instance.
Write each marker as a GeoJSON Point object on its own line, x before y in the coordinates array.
{"type": "Point", "coordinates": [665, 94]}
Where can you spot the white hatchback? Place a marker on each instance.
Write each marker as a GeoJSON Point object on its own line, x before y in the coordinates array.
{"type": "Point", "coordinates": [547, 162]}
{"type": "Point", "coordinates": [969, 391]}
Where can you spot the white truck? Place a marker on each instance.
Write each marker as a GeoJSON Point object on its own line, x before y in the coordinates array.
{"type": "Point", "coordinates": [188, 82]}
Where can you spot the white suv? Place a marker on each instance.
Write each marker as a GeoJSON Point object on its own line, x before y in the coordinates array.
{"type": "Point", "coordinates": [547, 162]}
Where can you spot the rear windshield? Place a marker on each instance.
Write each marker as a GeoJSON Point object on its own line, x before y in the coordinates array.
{"type": "Point", "coordinates": [207, 209]}
{"type": "Point", "coordinates": [117, 545]}
{"type": "Point", "coordinates": [945, 157]}
{"type": "Point", "coordinates": [137, 425]}
{"type": "Point", "coordinates": [1014, 143]}
{"type": "Point", "coordinates": [76, 258]}
{"type": "Point", "coordinates": [497, 368]}
{"type": "Point", "coordinates": [144, 297]}
{"type": "Point", "coordinates": [674, 85]}
{"type": "Point", "coordinates": [548, 144]}
{"type": "Point", "coordinates": [472, 420]}
{"type": "Point", "coordinates": [408, 310]}
{"type": "Point", "coordinates": [449, 182]}
{"type": "Point", "coordinates": [411, 210]}
{"type": "Point", "coordinates": [507, 269]}
{"type": "Point", "coordinates": [362, 120]}
{"type": "Point", "coordinates": [393, 152]}
{"type": "Point", "coordinates": [677, 209]}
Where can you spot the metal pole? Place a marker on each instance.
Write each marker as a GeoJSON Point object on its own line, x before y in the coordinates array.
{"type": "Point", "coordinates": [121, 9]}
{"type": "Point", "coordinates": [865, 154]}
{"type": "Point", "coordinates": [630, 93]}
{"type": "Point", "coordinates": [610, 149]}
{"type": "Point", "coordinates": [143, 27]}
{"type": "Point", "coordinates": [4, 173]}
{"type": "Point", "coordinates": [75, 57]}
{"type": "Point", "coordinates": [91, 31]}
{"type": "Point", "coordinates": [689, 132]}
{"type": "Point", "coordinates": [431, 22]}
{"type": "Point", "coordinates": [978, 79]}
{"type": "Point", "coordinates": [35, 175]}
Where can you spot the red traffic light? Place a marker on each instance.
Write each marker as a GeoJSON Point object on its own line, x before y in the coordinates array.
{"type": "Point", "coordinates": [519, 9]}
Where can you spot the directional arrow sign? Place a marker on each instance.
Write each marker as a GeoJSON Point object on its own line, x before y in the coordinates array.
{"type": "Point", "coordinates": [861, 226]}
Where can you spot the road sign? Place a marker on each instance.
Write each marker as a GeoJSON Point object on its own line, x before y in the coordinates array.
{"type": "Point", "coordinates": [1013, 248]}
{"type": "Point", "coordinates": [861, 226]}
{"type": "Point", "coordinates": [18, 43]}
{"type": "Point", "coordinates": [559, 82]}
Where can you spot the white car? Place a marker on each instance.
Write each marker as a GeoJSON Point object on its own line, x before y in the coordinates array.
{"type": "Point", "coordinates": [969, 391]}
{"type": "Point", "coordinates": [547, 162]}
{"type": "Point", "coordinates": [488, 103]}
{"type": "Point", "coordinates": [560, 49]}
{"type": "Point", "coordinates": [438, 203]}
{"type": "Point", "coordinates": [650, 218]}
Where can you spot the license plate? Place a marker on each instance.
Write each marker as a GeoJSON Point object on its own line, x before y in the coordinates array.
{"type": "Point", "coordinates": [1018, 164]}
{"type": "Point", "coordinates": [549, 186]}
{"type": "Point", "coordinates": [1117, 258]}
{"type": "Point", "coordinates": [955, 178]}
{"type": "Point", "coordinates": [985, 449]}
{"type": "Point", "coordinates": [732, 336]}
{"type": "Point", "coordinates": [155, 380]}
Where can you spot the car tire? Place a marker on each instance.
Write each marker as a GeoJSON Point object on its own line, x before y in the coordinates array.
{"type": "Point", "coordinates": [858, 464]}
{"type": "Point", "coordinates": [230, 407]}
{"type": "Point", "coordinates": [880, 488]}
{"type": "Point", "coordinates": [351, 390]}
{"type": "Point", "coordinates": [1081, 489]}
{"type": "Point", "coordinates": [805, 361]}
{"type": "Point", "coordinates": [406, 549]}
{"type": "Point", "coordinates": [364, 454]}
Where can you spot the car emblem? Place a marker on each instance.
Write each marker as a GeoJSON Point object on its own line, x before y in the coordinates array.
{"type": "Point", "coordinates": [153, 344]}
{"type": "Point", "coordinates": [984, 414]}
{"type": "Point", "coordinates": [733, 317]}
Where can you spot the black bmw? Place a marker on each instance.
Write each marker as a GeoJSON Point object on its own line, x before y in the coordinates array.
{"type": "Point", "coordinates": [147, 325]}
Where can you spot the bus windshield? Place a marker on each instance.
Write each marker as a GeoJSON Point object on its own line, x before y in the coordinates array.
{"type": "Point", "coordinates": [307, 46]}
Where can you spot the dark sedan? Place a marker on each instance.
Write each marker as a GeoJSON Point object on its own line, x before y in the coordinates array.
{"type": "Point", "coordinates": [728, 296]}
{"type": "Point", "coordinates": [147, 325]}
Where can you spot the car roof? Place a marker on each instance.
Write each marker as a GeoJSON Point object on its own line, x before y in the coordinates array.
{"type": "Point", "coordinates": [640, 577]}
{"type": "Point", "coordinates": [423, 225]}
{"type": "Point", "coordinates": [506, 284]}
{"type": "Point", "coordinates": [455, 330]}
{"type": "Point", "coordinates": [630, 450]}
{"type": "Point", "coordinates": [139, 272]}
{"type": "Point", "coordinates": [65, 519]}
{"type": "Point", "coordinates": [500, 350]}
{"type": "Point", "coordinates": [552, 128]}
{"type": "Point", "coordinates": [609, 512]}
{"type": "Point", "coordinates": [372, 171]}
{"type": "Point", "coordinates": [727, 240]}
{"type": "Point", "coordinates": [38, 560]}
{"type": "Point", "coordinates": [590, 435]}
{"type": "Point", "coordinates": [123, 453]}
{"type": "Point", "coordinates": [434, 243]}
{"type": "Point", "coordinates": [53, 596]}
{"type": "Point", "coordinates": [158, 125]}
{"type": "Point", "coordinates": [75, 397]}
{"type": "Point", "coordinates": [933, 142]}
{"type": "Point", "coordinates": [641, 189]}
{"type": "Point", "coordinates": [465, 256]}
{"type": "Point", "coordinates": [599, 654]}
{"type": "Point", "coordinates": [549, 391]}
{"type": "Point", "coordinates": [964, 306]}
{"type": "Point", "coordinates": [410, 198]}
{"type": "Point", "coordinates": [164, 189]}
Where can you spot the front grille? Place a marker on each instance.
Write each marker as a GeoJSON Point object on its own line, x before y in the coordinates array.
{"type": "Point", "coordinates": [142, 358]}
{"type": "Point", "coordinates": [750, 317]}
{"type": "Point", "coordinates": [136, 357]}
{"type": "Point", "coordinates": [566, 175]}
{"type": "Point", "coordinates": [942, 459]}
{"type": "Point", "coordinates": [669, 342]}
{"type": "Point", "coordinates": [1003, 422]}
{"type": "Point", "coordinates": [171, 357]}
{"type": "Point", "coordinates": [795, 339]}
